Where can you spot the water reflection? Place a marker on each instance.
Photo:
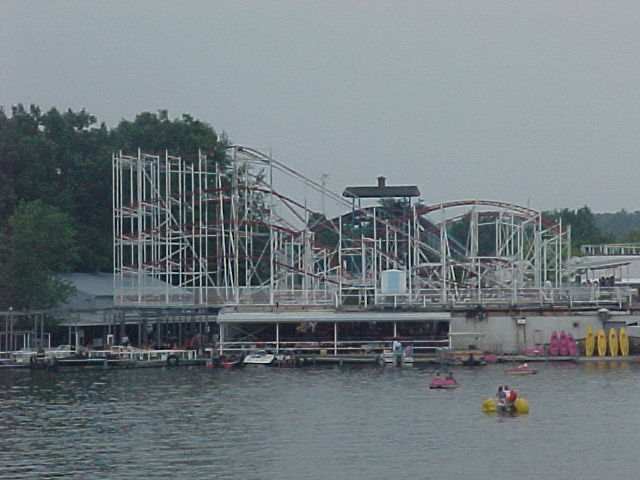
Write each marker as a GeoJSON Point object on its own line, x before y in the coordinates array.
{"type": "Point", "coordinates": [316, 423]}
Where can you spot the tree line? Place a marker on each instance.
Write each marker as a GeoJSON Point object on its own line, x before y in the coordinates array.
{"type": "Point", "coordinates": [55, 191]}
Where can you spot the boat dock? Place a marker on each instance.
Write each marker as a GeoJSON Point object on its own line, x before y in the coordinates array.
{"type": "Point", "coordinates": [135, 358]}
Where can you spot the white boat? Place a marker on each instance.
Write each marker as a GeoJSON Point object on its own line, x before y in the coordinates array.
{"type": "Point", "coordinates": [28, 356]}
{"type": "Point", "coordinates": [259, 358]}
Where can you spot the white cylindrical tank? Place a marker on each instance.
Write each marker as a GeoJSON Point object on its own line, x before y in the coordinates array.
{"type": "Point", "coordinates": [393, 282]}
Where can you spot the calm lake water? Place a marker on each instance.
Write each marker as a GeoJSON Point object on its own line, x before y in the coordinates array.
{"type": "Point", "coordinates": [317, 423]}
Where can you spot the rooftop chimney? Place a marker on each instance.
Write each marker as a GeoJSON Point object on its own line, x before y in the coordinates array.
{"type": "Point", "coordinates": [381, 182]}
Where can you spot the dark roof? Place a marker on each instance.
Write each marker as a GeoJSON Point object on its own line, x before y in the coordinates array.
{"type": "Point", "coordinates": [381, 192]}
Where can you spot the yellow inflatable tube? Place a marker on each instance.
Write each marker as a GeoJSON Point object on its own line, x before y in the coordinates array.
{"type": "Point", "coordinates": [521, 406]}
{"type": "Point", "coordinates": [489, 405]}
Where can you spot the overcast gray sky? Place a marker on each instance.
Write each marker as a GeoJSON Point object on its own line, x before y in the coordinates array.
{"type": "Point", "coordinates": [529, 102]}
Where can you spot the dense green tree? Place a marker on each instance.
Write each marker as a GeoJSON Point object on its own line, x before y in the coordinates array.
{"type": "Point", "coordinates": [155, 133]}
{"type": "Point", "coordinates": [632, 237]}
{"type": "Point", "coordinates": [38, 243]}
{"type": "Point", "coordinates": [584, 229]}
{"type": "Point", "coordinates": [64, 159]}
{"type": "Point", "coordinates": [618, 225]}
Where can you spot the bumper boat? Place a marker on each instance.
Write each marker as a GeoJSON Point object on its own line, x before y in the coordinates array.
{"type": "Point", "coordinates": [511, 405]}
{"type": "Point", "coordinates": [443, 383]}
{"type": "Point", "coordinates": [523, 369]}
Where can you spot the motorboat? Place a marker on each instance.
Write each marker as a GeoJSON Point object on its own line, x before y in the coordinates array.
{"type": "Point", "coordinates": [523, 369]}
{"type": "Point", "coordinates": [259, 357]}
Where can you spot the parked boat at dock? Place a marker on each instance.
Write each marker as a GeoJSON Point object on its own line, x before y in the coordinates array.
{"type": "Point", "coordinates": [389, 358]}
{"type": "Point", "coordinates": [116, 356]}
{"type": "Point", "coordinates": [259, 357]}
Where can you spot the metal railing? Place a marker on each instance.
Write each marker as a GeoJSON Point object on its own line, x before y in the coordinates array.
{"type": "Point", "coordinates": [572, 296]}
{"type": "Point", "coordinates": [320, 347]}
{"type": "Point", "coordinates": [494, 297]}
{"type": "Point", "coordinates": [611, 249]}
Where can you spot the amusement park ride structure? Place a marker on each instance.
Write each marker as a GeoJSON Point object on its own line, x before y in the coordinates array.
{"type": "Point", "coordinates": [203, 233]}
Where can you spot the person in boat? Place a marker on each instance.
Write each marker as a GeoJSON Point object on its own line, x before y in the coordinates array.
{"type": "Point", "coordinates": [507, 395]}
{"type": "Point", "coordinates": [450, 378]}
{"type": "Point", "coordinates": [500, 394]}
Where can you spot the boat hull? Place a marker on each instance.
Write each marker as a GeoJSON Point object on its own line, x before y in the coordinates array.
{"type": "Point", "coordinates": [444, 387]}
{"type": "Point", "coordinates": [521, 371]}
{"type": "Point", "coordinates": [440, 383]}
{"type": "Point", "coordinates": [259, 359]}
